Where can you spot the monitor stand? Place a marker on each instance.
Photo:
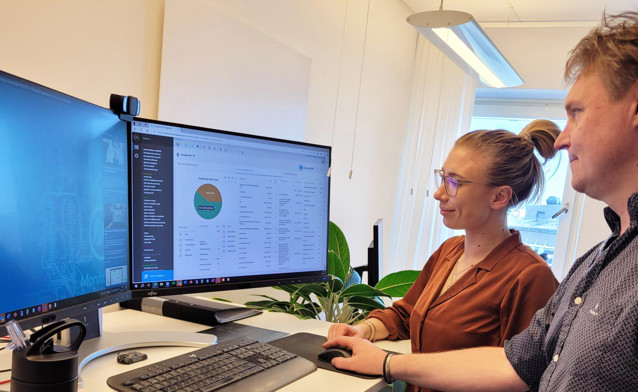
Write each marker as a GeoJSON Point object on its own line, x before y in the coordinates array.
{"type": "Point", "coordinates": [193, 309]}
{"type": "Point", "coordinates": [97, 343]}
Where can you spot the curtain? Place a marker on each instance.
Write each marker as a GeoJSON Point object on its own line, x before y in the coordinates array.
{"type": "Point", "coordinates": [441, 110]}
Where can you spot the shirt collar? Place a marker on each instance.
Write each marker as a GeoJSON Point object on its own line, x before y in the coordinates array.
{"type": "Point", "coordinates": [613, 220]}
{"type": "Point", "coordinates": [501, 251]}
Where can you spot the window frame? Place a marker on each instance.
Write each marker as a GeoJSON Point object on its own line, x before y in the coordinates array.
{"type": "Point", "coordinates": [552, 109]}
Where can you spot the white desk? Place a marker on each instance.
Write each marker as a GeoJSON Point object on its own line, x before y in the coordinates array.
{"type": "Point", "coordinates": [97, 371]}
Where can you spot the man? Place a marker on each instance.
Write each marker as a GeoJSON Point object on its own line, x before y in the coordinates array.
{"type": "Point", "coordinates": [586, 337]}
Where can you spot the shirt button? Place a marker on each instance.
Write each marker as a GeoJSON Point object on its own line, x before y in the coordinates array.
{"type": "Point", "coordinates": [556, 358]}
{"type": "Point", "coordinates": [578, 300]}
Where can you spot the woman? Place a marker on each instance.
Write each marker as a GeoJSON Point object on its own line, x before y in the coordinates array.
{"type": "Point", "coordinates": [484, 287]}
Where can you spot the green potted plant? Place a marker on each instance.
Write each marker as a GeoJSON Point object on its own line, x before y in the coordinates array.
{"type": "Point", "coordinates": [342, 298]}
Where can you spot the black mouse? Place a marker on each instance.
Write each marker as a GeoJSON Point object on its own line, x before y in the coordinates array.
{"type": "Point", "coordinates": [333, 352]}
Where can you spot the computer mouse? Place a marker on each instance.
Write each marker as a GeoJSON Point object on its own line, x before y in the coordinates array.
{"type": "Point", "coordinates": [333, 352]}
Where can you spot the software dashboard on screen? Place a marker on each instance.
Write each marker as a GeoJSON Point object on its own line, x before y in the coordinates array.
{"type": "Point", "coordinates": [96, 210]}
{"type": "Point", "coordinates": [216, 208]}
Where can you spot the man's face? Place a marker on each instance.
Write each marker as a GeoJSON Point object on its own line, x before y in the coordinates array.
{"type": "Point", "coordinates": [600, 138]}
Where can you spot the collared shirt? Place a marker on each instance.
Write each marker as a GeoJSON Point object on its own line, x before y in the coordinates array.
{"type": "Point", "coordinates": [491, 302]}
{"type": "Point", "coordinates": [586, 338]}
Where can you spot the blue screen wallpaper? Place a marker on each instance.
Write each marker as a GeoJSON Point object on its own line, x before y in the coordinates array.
{"type": "Point", "coordinates": [63, 197]}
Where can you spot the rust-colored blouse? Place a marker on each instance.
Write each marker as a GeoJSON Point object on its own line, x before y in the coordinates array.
{"type": "Point", "coordinates": [490, 303]}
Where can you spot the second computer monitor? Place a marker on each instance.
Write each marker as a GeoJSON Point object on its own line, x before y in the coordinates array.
{"type": "Point", "coordinates": [215, 210]}
{"type": "Point", "coordinates": [64, 230]}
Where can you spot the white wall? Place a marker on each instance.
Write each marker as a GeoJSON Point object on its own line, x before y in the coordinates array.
{"type": "Point", "coordinates": [222, 74]}
{"type": "Point", "coordinates": [92, 48]}
{"type": "Point", "coordinates": [372, 96]}
{"type": "Point", "coordinates": [539, 54]}
{"type": "Point", "coordinates": [87, 49]}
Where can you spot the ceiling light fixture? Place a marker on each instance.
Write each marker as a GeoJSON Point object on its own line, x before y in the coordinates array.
{"type": "Point", "coordinates": [459, 36]}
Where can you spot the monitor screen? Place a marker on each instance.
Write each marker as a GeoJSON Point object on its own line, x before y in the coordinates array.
{"type": "Point", "coordinates": [216, 210]}
{"type": "Point", "coordinates": [64, 233]}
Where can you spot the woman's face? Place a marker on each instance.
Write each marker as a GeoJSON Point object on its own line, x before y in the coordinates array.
{"type": "Point", "coordinates": [470, 208]}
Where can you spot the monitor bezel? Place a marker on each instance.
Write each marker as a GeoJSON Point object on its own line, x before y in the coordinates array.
{"type": "Point", "coordinates": [239, 282]}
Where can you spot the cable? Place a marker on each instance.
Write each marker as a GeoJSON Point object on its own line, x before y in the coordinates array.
{"type": "Point", "coordinates": [334, 120]}
{"type": "Point", "coordinates": [343, 34]}
{"type": "Point", "coordinates": [356, 114]}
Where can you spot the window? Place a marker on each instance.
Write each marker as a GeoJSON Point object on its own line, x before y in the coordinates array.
{"type": "Point", "coordinates": [536, 222]}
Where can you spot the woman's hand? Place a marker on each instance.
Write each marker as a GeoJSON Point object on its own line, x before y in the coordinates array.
{"type": "Point", "coordinates": [356, 331]}
{"type": "Point", "coordinates": [366, 357]}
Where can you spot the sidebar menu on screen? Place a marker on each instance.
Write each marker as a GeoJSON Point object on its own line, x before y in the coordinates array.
{"type": "Point", "coordinates": [152, 200]}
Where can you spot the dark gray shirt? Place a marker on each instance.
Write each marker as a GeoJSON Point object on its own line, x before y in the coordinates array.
{"type": "Point", "coordinates": [586, 337]}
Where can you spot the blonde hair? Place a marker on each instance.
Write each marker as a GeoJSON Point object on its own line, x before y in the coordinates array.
{"type": "Point", "coordinates": [610, 50]}
{"type": "Point", "coordinates": [512, 158]}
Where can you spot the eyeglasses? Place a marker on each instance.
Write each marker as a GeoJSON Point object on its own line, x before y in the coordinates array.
{"type": "Point", "coordinates": [451, 183]}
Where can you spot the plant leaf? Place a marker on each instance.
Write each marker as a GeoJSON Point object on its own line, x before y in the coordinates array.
{"type": "Point", "coordinates": [318, 289]}
{"type": "Point", "coordinates": [364, 303]}
{"type": "Point", "coordinates": [336, 266]}
{"type": "Point", "coordinates": [337, 243]}
{"type": "Point", "coordinates": [289, 288]}
{"type": "Point", "coordinates": [339, 302]}
{"type": "Point", "coordinates": [334, 284]}
{"type": "Point", "coordinates": [363, 290]}
{"type": "Point", "coordinates": [307, 311]}
{"type": "Point", "coordinates": [353, 278]}
{"type": "Point", "coordinates": [265, 296]}
{"type": "Point", "coordinates": [268, 305]}
{"type": "Point", "coordinates": [397, 284]}
{"type": "Point", "coordinates": [287, 311]}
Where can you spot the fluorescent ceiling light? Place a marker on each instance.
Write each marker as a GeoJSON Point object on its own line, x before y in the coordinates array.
{"type": "Point", "coordinates": [458, 35]}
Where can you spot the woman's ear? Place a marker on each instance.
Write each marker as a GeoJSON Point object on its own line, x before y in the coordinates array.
{"type": "Point", "coordinates": [634, 91]}
{"type": "Point", "coordinates": [501, 197]}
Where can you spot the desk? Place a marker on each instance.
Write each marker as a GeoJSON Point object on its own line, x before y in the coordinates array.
{"type": "Point", "coordinates": [97, 371]}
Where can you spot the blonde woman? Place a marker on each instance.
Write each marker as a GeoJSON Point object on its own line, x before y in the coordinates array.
{"type": "Point", "coordinates": [481, 288]}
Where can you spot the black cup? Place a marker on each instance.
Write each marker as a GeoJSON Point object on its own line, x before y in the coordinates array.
{"type": "Point", "coordinates": [42, 366]}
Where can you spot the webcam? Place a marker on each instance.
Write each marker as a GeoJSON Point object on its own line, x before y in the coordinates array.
{"type": "Point", "coordinates": [125, 106]}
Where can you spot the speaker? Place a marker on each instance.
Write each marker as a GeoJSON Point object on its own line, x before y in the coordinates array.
{"type": "Point", "coordinates": [125, 105]}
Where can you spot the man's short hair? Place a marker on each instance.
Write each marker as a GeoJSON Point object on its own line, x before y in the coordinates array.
{"type": "Point", "coordinates": [610, 51]}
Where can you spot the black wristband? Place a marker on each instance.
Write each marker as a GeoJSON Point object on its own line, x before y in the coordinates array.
{"type": "Point", "coordinates": [387, 377]}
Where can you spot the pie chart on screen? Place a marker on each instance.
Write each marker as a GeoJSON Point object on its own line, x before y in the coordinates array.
{"type": "Point", "coordinates": [208, 201]}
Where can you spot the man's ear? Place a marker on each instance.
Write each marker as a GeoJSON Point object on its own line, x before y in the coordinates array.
{"type": "Point", "coordinates": [501, 197]}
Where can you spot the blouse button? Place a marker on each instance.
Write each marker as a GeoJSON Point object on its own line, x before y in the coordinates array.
{"type": "Point", "coordinates": [556, 358]}
{"type": "Point", "coordinates": [578, 300]}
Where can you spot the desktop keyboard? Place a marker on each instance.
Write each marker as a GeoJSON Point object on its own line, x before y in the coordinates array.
{"type": "Point", "coordinates": [240, 364]}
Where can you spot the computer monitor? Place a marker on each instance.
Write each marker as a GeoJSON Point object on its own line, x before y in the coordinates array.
{"type": "Point", "coordinates": [216, 210]}
{"type": "Point", "coordinates": [375, 253]}
{"type": "Point", "coordinates": [65, 223]}
{"type": "Point", "coordinates": [375, 256]}
{"type": "Point", "coordinates": [64, 220]}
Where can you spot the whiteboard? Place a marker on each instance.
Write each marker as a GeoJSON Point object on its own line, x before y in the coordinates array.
{"type": "Point", "coordinates": [219, 73]}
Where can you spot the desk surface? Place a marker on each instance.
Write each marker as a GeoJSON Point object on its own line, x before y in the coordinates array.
{"type": "Point", "coordinates": [97, 371]}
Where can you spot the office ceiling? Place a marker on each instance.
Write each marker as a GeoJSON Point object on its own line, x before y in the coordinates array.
{"type": "Point", "coordinates": [528, 10]}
